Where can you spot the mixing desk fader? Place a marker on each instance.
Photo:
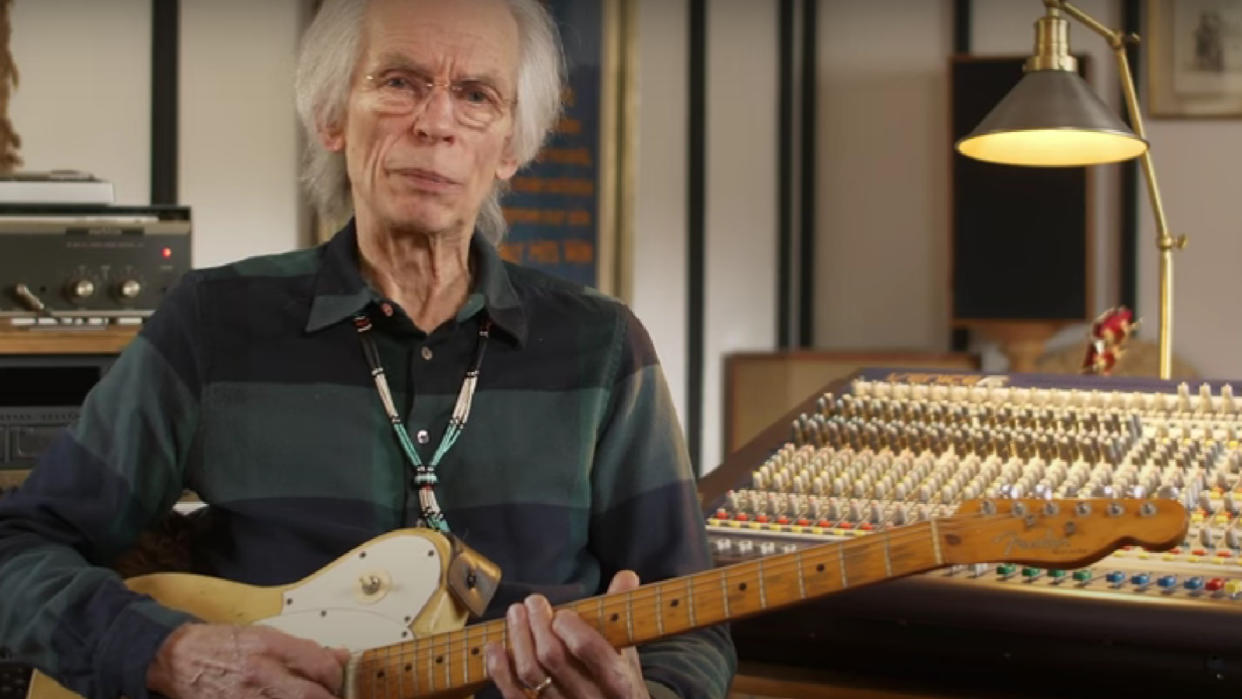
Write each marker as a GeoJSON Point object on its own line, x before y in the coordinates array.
{"type": "Point", "coordinates": [891, 448]}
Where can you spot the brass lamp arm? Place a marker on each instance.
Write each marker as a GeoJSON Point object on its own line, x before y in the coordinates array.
{"type": "Point", "coordinates": [1165, 243]}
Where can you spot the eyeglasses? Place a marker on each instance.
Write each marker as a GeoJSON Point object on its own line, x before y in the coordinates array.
{"type": "Point", "coordinates": [476, 104]}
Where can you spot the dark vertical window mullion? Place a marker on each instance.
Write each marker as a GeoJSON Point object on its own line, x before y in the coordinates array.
{"type": "Point", "coordinates": [962, 24]}
{"type": "Point", "coordinates": [806, 252]}
{"type": "Point", "coordinates": [165, 54]}
{"type": "Point", "coordinates": [695, 248]}
{"type": "Point", "coordinates": [784, 162]}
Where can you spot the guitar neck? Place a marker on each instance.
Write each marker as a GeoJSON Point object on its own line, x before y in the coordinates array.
{"type": "Point", "coordinates": [451, 664]}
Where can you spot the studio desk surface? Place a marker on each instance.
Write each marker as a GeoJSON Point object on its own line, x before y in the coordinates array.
{"type": "Point", "coordinates": [888, 448]}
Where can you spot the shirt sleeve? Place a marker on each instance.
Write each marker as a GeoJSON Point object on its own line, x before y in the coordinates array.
{"type": "Point", "coordinates": [103, 481]}
{"type": "Point", "coordinates": [645, 513]}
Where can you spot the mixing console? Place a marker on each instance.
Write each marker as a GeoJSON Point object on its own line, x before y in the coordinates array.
{"type": "Point", "coordinates": [890, 448]}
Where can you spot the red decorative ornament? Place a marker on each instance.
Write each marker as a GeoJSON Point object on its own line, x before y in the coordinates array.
{"type": "Point", "coordinates": [1106, 344]}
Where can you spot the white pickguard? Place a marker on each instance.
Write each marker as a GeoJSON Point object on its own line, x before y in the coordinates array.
{"type": "Point", "coordinates": [334, 608]}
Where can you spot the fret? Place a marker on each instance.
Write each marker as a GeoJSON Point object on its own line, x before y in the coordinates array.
{"type": "Point", "coordinates": [629, 615]}
{"type": "Point", "coordinates": [431, 668]}
{"type": "Point", "coordinates": [659, 591]}
{"type": "Point", "coordinates": [690, 598]}
{"type": "Point", "coordinates": [841, 558]}
{"type": "Point", "coordinates": [724, 594]}
{"type": "Point", "coordinates": [445, 658]}
{"type": "Point", "coordinates": [763, 595]}
{"type": "Point", "coordinates": [600, 624]}
{"type": "Point", "coordinates": [888, 559]}
{"type": "Point", "coordinates": [936, 543]}
{"type": "Point", "coordinates": [465, 656]}
{"type": "Point", "coordinates": [801, 579]}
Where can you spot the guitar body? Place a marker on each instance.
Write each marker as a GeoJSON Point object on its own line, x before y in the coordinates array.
{"type": "Point", "coordinates": [391, 589]}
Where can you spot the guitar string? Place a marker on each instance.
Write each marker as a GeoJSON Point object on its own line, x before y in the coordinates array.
{"type": "Point", "coordinates": [709, 580]}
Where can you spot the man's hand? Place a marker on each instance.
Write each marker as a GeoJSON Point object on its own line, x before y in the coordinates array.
{"type": "Point", "coordinates": [212, 660]}
{"type": "Point", "coordinates": [562, 656]}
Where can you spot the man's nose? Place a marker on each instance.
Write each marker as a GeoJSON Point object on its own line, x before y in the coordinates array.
{"type": "Point", "coordinates": [437, 121]}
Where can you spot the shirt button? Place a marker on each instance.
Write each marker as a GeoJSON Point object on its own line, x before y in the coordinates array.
{"type": "Point", "coordinates": [422, 437]}
{"type": "Point", "coordinates": [427, 353]}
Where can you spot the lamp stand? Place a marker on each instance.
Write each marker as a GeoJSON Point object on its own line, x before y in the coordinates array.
{"type": "Point", "coordinates": [1165, 243]}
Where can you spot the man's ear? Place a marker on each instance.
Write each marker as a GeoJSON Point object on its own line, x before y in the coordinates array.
{"type": "Point", "coordinates": [508, 165]}
{"type": "Point", "coordinates": [332, 136]}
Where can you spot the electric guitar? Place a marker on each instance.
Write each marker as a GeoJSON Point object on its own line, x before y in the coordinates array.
{"type": "Point", "coordinates": [399, 601]}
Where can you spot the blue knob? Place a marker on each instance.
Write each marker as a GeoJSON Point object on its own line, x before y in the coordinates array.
{"type": "Point", "coordinates": [1194, 583]}
{"type": "Point", "coordinates": [1167, 581]}
{"type": "Point", "coordinates": [1116, 577]}
{"type": "Point", "coordinates": [1140, 579]}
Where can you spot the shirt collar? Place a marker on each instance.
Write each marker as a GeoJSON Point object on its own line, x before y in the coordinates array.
{"type": "Point", "coordinates": [340, 292]}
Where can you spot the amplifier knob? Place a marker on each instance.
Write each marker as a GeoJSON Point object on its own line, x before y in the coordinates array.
{"type": "Point", "coordinates": [81, 289]}
{"type": "Point", "coordinates": [129, 289]}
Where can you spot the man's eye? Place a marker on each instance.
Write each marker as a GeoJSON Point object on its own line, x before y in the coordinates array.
{"type": "Point", "coordinates": [397, 81]}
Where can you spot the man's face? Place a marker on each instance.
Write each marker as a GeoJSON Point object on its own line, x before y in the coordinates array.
{"type": "Point", "coordinates": [426, 171]}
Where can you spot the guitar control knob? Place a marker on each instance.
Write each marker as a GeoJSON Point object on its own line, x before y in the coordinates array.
{"type": "Point", "coordinates": [80, 289]}
{"type": "Point", "coordinates": [129, 289]}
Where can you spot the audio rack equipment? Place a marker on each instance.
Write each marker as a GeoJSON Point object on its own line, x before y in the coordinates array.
{"type": "Point", "coordinates": [886, 448]}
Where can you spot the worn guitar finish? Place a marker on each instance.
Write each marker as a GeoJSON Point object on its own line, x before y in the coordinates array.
{"type": "Point", "coordinates": [441, 659]}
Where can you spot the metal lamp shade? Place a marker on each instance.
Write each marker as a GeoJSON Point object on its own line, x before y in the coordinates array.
{"type": "Point", "coordinates": [1051, 118]}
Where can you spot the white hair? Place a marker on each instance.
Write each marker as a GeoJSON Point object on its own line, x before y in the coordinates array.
{"type": "Point", "coordinates": [326, 61]}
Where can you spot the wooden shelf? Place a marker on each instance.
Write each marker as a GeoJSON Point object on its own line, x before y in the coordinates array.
{"type": "Point", "coordinates": [86, 340]}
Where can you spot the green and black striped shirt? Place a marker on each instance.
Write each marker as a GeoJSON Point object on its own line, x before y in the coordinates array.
{"type": "Point", "coordinates": [250, 387]}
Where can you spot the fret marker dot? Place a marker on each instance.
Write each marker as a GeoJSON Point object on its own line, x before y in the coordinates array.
{"type": "Point", "coordinates": [409, 667]}
{"type": "Point", "coordinates": [474, 651]}
{"type": "Point", "coordinates": [439, 659]}
{"type": "Point", "coordinates": [615, 617]}
{"type": "Point", "coordinates": [674, 603]}
{"type": "Point", "coordinates": [380, 674]}
{"type": "Point", "coordinates": [819, 568]}
{"type": "Point", "coordinates": [741, 586]}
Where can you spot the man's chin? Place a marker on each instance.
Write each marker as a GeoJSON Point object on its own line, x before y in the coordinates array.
{"type": "Point", "coordinates": [422, 221]}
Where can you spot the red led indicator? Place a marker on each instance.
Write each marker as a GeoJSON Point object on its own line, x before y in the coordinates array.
{"type": "Point", "coordinates": [166, 252]}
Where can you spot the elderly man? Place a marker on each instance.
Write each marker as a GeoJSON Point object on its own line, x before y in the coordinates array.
{"type": "Point", "coordinates": [527, 415]}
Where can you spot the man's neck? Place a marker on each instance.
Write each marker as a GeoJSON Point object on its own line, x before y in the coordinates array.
{"type": "Point", "coordinates": [428, 275]}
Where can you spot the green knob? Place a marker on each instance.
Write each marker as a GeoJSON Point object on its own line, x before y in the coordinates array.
{"type": "Point", "coordinates": [1029, 572]}
{"type": "Point", "coordinates": [1082, 575]}
{"type": "Point", "coordinates": [1057, 574]}
{"type": "Point", "coordinates": [1005, 569]}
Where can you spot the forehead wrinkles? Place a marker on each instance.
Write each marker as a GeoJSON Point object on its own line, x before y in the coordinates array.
{"type": "Point", "coordinates": [464, 45]}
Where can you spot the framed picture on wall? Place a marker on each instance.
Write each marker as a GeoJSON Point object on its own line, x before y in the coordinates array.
{"type": "Point", "coordinates": [1193, 51]}
{"type": "Point", "coordinates": [568, 211]}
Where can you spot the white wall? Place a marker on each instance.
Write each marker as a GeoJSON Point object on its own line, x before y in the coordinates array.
{"type": "Point", "coordinates": [660, 215]}
{"type": "Point", "coordinates": [238, 129]}
{"type": "Point", "coordinates": [741, 190]}
{"type": "Point", "coordinates": [740, 197]}
{"type": "Point", "coordinates": [882, 208]}
{"type": "Point", "coordinates": [84, 97]}
{"type": "Point", "coordinates": [1197, 166]}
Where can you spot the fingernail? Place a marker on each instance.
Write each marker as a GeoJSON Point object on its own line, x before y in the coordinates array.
{"type": "Point", "coordinates": [513, 613]}
{"type": "Point", "coordinates": [538, 604]}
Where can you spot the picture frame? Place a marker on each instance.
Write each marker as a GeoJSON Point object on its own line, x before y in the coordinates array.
{"type": "Point", "coordinates": [1193, 58]}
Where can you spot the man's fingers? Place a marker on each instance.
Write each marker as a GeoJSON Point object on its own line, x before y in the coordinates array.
{"type": "Point", "coordinates": [593, 652]}
{"type": "Point", "coordinates": [568, 675]}
{"type": "Point", "coordinates": [522, 647]}
{"type": "Point", "coordinates": [623, 581]}
{"type": "Point", "coordinates": [500, 670]}
{"type": "Point", "coordinates": [306, 658]}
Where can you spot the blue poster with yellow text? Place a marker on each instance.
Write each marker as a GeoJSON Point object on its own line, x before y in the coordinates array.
{"type": "Point", "coordinates": [552, 208]}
